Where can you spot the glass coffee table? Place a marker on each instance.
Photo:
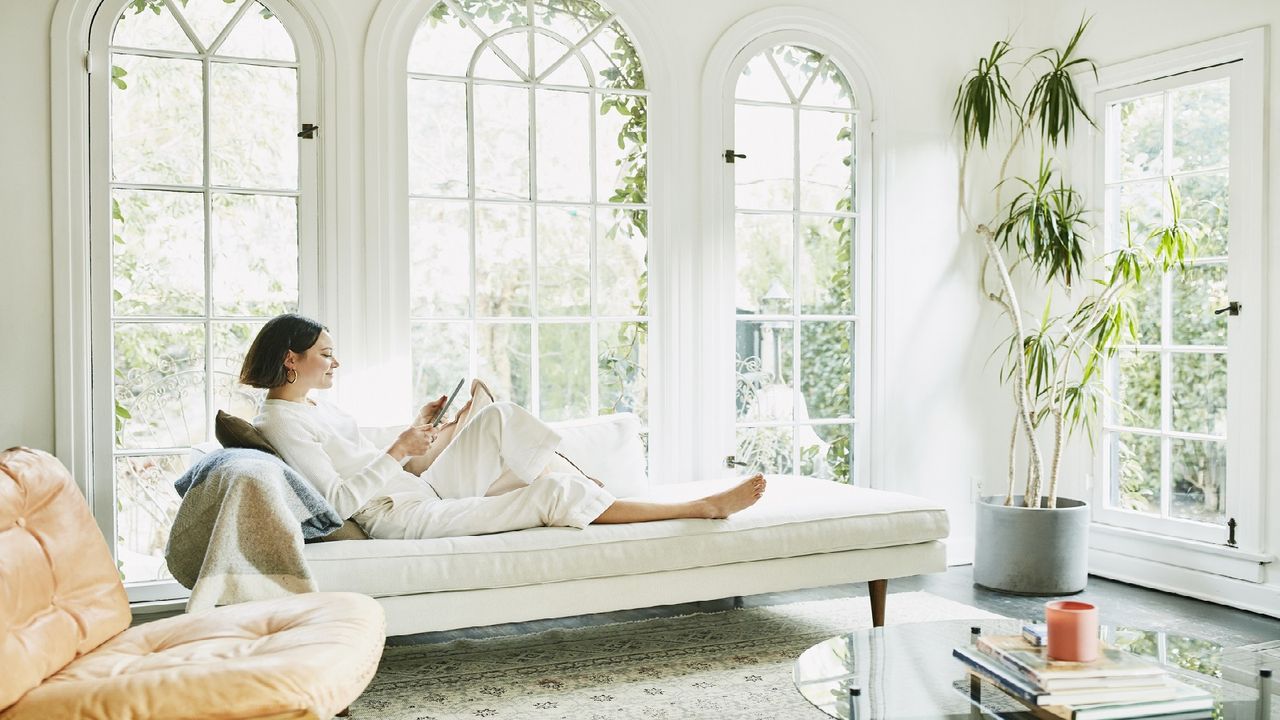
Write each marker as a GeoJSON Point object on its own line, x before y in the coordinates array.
{"type": "Point", "coordinates": [907, 671]}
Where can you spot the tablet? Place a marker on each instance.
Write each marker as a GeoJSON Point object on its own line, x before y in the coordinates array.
{"type": "Point", "coordinates": [447, 403]}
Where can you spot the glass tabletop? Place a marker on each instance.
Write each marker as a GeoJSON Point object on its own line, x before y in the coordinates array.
{"type": "Point", "coordinates": [907, 671]}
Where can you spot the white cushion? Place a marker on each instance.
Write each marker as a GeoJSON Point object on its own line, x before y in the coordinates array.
{"type": "Point", "coordinates": [609, 449]}
{"type": "Point", "coordinates": [797, 516]}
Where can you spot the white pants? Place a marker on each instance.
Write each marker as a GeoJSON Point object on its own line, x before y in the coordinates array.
{"type": "Point", "coordinates": [490, 479]}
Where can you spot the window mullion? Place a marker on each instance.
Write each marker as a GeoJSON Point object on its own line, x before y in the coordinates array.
{"type": "Point", "coordinates": [535, 366]}
{"type": "Point", "coordinates": [593, 101]}
{"type": "Point", "coordinates": [473, 302]}
{"type": "Point", "coordinates": [796, 398]}
{"type": "Point", "coordinates": [207, 177]}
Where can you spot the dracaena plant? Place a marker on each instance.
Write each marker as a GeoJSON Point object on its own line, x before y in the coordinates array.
{"type": "Point", "coordinates": [1042, 238]}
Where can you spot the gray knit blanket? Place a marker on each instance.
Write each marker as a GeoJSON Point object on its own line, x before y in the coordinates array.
{"type": "Point", "coordinates": [239, 531]}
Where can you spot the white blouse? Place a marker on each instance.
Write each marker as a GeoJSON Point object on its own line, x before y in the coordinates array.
{"type": "Point", "coordinates": [325, 445]}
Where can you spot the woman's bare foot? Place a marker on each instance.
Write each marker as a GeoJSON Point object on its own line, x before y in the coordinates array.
{"type": "Point", "coordinates": [739, 497]}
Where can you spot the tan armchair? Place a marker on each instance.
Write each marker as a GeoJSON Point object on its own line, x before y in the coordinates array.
{"type": "Point", "coordinates": [67, 651]}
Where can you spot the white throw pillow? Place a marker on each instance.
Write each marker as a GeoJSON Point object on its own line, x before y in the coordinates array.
{"type": "Point", "coordinates": [609, 449]}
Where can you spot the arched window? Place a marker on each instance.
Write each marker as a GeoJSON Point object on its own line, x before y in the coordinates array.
{"type": "Point", "coordinates": [528, 205]}
{"type": "Point", "coordinates": [795, 216]}
{"type": "Point", "coordinates": [202, 216]}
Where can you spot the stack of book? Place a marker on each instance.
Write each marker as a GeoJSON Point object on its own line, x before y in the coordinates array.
{"type": "Point", "coordinates": [1116, 685]}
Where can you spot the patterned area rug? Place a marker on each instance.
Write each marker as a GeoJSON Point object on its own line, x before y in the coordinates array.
{"type": "Point", "coordinates": [731, 664]}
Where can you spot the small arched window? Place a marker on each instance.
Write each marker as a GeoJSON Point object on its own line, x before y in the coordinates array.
{"type": "Point", "coordinates": [795, 217]}
{"type": "Point", "coordinates": [203, 213]}
{"type": "Point", "coordinates": [529, 205]}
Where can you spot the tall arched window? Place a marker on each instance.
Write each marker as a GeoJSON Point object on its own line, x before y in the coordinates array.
{"type": "Point", "coordinates": [201, 203]}
{"type": "Point", "coordinates": [794, 223]}
{"type": "Point", "coordinates": [528, 205]}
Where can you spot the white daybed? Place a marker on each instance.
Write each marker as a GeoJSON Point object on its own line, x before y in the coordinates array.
{"type": "Point", "coordinates": [803, 533]}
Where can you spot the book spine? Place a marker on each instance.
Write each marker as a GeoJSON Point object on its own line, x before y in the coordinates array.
{"type": "Point", "coordinates": [1013, 685]}
{"type": "Point", "coordinates": [1001, 656]}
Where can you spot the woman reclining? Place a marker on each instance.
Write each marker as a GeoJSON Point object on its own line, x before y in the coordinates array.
{"type": "Point", "coordinates": [493, 468]}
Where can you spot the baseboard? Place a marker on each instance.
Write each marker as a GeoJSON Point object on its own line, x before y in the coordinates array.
{"type": "Point", "coordinates": [1260, 598]}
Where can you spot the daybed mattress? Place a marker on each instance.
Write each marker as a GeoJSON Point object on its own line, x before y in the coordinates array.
{"type": "Point", "coordinates": [797, 516]}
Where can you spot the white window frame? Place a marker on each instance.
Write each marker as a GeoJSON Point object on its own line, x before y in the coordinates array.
{"type": "Point", "coordinates": [789, 26]}
{"type": "Point", "coordinates": [80, 81]}
{"type": "Point", "coordinates": [1188, 543]}
{"type": "Point", "coordinates": [391, 33]}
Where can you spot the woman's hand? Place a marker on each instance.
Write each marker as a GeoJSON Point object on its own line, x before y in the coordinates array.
{"type": "Point", "coordinates": [415, 440]}
{"type": "Point", "coordinates": [429, 411]}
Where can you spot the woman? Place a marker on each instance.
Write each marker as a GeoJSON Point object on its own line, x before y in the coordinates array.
{"type": "Point", "coordinates": [487, 471]}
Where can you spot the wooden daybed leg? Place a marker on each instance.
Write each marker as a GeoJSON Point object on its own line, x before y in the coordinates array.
{"type": "Point", "coordinates": [345, 712]}
{"type": "Point", "coordinates": [878, 589]}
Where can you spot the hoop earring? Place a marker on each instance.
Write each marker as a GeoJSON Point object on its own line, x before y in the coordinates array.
{"type": "Point", "coordinates": [290, 379]}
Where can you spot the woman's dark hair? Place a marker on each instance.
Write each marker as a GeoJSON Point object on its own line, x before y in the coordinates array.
{"type": "Point", "coordinates": [264, 363]}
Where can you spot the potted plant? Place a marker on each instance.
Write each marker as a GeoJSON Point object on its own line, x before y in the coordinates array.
{"type": "Point", "coordinates": [1036, 542]}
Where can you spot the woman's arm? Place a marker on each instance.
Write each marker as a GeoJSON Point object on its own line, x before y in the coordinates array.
{"type": "Point", "coordinates": [302, 448]}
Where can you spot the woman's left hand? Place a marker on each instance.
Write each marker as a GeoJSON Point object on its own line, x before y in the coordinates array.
{"type": "Point", "coordinates": [427, 414]}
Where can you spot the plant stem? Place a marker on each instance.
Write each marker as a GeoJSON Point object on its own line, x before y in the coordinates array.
{"type": "Point", "coordinates": [1013, 461]}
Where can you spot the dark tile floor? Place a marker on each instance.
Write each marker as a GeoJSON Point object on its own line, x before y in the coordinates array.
{"type": "Point", "coordinates": [1119, 604]}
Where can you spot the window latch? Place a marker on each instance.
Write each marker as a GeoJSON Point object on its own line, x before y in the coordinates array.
{"type": "Point", "coordinates": [1232, 308]}
{"type": "Point", "coordinates": [731, 462]}
{"type": "Point", "coordinates": [1231, 532]}
{"type": "Point", "coordinates": [308, 131]}
{"type": "Point", "coordinates": [730, 156]}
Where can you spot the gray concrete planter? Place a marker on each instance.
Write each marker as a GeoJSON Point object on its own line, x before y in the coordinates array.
{"type": "Point", "coordinates": [1032, 551]}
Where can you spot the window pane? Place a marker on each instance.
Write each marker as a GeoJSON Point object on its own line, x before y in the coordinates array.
{"type": "Point", "coordinates": [145, 507]}
{"type": "Point", "coordinates": [572, 19]}
{"type": "Point", "coordinates": [443, 44]}
{"type": "Point", "coordinates": [764, 179]}
{"type": "Point", "coordinates": [826, 153]}
{"type": "Point", "coordinates": [1137, 396]}
{"type": "Point", "coordinates": [826, 265]}
{"type": "Point", "coordinates": [157, 130]}
{"type": "Point", "coordinates": [255, 254]}
{"type": "Point", "coordinates": [504, 360]}
{"type": "Point", "coordinates": [1198, 290]}
{"type": "Point", "coordinates": [764, 256]}
{"type": "Point", "coordinates": [437, 138]}
{"type": "Point", "coordinates": [502, 141]}
{"type": "Point", "coordinates": [263, 152]}
{"type": "Point", "coordinates": [826, 451]}
{"type": "Point", "coordinates": [759, 81]}
{"type": "Point", "coordinates": [564, 362]}
{"type": "Point", "coordinates": [564, 261]}
{"type": "Point", "coordinates": [564, 157]}
{"type": "Point", "coordinates": [1142, 204]}
{"type": "Point", "coordinates": [1135, 471]}
{"type": "Point", "coordinates": [1200, 393]}
{"type": "Point", "coordinates": [764, 370]}
{"type": "Point", "coordinates": [439, 258]}
{"type": "Point", "coordinates": [765, 449]}
{"type": "Point", "coordinates": [1205, 200]}
{"type": "Point", "coordinates": [622, 149]}
{"type": "Point", "coordinates": [573, 72]}
{"type": "Point", "coordinates": [546, 52]}
{"type": "Point", "coordinates": [440, 352]}
{"type": "Point", "coordinates": [157, 253]}
{"type": "Point", "coordinates": [829, 89]}
{"type": "Point", "coordinates": [230, 343]}
{"type": "Point", "coordinates": [139, 27]}
{"type": "Point", "coordinates": [504, 262]}
{"type": "Point", "coordinates": [622, 362]}
{"type": "Point", "coordinates": [1201, 125]}
{"type": "Point", "coordinates": [1141, 137]}
{"type": "Point", "coordinates": [159, 385]}
{"type": "Point", "coordinates": [797, 65]}
{"type": "Point", "coordinates": [614, 59]}
{"type": "Point", "coordinates": [1199, 480]}
{"type": "Point", "coordinates": [208, 17]}
{"type": "Point", "coordinates": [621, 253]}
{"type": "Point", "coordinates": [826, 370]}
{"type": "Point", "coordinates": [507, 58]}
{"type": "Point", "coordinates": [259, 34]}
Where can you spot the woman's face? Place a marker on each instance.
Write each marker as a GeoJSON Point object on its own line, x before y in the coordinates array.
{"type": "Point", "coordinates": [315, 366]}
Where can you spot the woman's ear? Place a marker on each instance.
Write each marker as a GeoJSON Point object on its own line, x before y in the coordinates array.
{"type": "Point", "coordinates": [290, 359]}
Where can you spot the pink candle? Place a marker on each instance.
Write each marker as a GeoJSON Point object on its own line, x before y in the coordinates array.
{"type": "Point", "coordinates": [1073, 630]}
